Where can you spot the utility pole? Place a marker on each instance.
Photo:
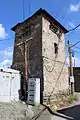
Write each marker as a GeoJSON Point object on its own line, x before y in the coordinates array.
{"type": "Point", "coordinates": [26, 58]}
{"type": "Point", "coordinates": [25, 69]}
{"type": "Point", "coordinates": [71, 68]}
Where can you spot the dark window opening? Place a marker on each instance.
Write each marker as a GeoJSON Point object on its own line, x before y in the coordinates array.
{"type": "Point", "coordinates": [55, 29]}
{"type": "Point", "coordinates": [55, 48]}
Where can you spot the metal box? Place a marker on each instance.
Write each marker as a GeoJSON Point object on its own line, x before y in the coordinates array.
{"type": "Point", "coordinates": [34, 91]}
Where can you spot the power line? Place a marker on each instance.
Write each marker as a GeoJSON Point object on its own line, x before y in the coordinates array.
{"type": "Point", "coordinates": [29, 10]}
{"type": "Point", "coordinates": [63, 17]}
{"type": "Point", "coordinates": [23, 9]}
{"type": "Point", "coordinates": [54, 60]}
{"type": "Point", "coordinates": [68, 11]}
{"type": "Point", "coordinates": [75, 44]}
{"type": "Point", "coordinates": [77, 47]}
{"type": "Point", "coordinates": [74, 28]}
{"type": "Point", "coordinates": [58, 75]}
{"type": "Point", "coordinates": [76, 51]}
{"type": "Point", "coordinates": [59, 12]}
{"type": "Point", "coordinates": [56, 82]}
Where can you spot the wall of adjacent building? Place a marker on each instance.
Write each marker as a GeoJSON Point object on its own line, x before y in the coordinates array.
{"type": "Point", "coordinates": [54, 66]}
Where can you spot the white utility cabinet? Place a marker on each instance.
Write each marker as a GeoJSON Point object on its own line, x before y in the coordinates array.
{"type": "Point", "coordinates": [9, 84]}
{"type": "Point", "coordinates": [34, 91]}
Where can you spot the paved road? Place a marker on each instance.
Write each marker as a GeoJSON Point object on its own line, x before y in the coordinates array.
{"type": "Point", "coordinates": [70, 113]}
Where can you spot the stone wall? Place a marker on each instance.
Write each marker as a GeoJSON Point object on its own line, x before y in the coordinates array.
{"type": "Point", "coordinates": [34, 47]}
{"type": "Point", "coordinates": [55, 71]}
{"type": "Point", "coordinates": [42, 60]}
{"type": "Point", "coordinates": [35, 67]}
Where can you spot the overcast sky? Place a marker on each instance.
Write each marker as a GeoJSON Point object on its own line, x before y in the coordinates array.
{"type": "Point", "coordinates": [67, 12]}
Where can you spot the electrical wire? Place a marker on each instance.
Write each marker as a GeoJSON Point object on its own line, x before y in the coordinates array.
{"type": "Point", "coordinates": [52, 70]}
{"type": "Point", "coordinates": [23, 9]}
{"type": "Point", "coordinates": [63, 17]}
{"type": "Point", "coordinates": [59, 12]}
{"type": "Point", "coordinates": [74, 28]}
{"type": "Point", "coordinates": [76, 51]}
{"type": "Point", "coordinates": [56, 82]}
{"type": "Point", "coordinates": [54, 60]}
{"type": "Point", "coordinates": [29, 10]}
{"type": "Point", "coordinates": [67, 12]}
{"type": "Point", "coordinates": [77, 47]}
{"type": "Point", "coordinates": [75, 44]}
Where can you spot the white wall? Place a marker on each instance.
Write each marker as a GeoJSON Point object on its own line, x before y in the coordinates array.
{"type": "Point", "coordinates": [9, 85]}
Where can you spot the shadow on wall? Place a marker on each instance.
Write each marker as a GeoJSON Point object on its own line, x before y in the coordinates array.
{"type": "Point", "coordinates": [72, 112]}
{"type": "Point", "coordinates": [21, 91]}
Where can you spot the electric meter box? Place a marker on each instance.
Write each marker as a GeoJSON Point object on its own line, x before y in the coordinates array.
{"type": "Point", "coordinates": [34, 91]}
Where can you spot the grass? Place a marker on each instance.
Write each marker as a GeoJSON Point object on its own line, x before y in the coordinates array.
{"type": "Point", "coordinates": [72, 98]}
{"type": "Point", "coordinates": [62, 101]}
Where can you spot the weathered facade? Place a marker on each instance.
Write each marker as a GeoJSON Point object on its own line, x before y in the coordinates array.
{"type": "Point", "coordinates": [46, 52]}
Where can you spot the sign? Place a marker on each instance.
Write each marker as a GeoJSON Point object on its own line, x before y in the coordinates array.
{"type": "Point", "coordinates": [71, 79]}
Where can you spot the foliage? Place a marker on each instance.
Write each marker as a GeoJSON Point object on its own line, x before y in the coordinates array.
{"type": "Point", "coordinates": [62, 101]}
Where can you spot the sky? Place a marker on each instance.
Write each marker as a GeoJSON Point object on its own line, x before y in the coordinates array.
{"type": "Point", "coordinates": [67, 12]}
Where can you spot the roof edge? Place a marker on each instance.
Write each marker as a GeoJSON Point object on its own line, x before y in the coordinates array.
{"type": "Point", "coordinates": [41, 11]}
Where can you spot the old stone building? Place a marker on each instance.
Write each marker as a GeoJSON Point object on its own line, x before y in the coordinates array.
{"type": "Point", "coordinates": [45, 38]}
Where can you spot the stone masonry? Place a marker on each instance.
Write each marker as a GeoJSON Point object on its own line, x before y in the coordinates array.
{"type": "Point", "coordinates": [55, 71]}
{"type": "Point", "coordinates": [46, 52]}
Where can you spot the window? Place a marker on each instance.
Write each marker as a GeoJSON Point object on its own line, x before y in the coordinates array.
{"type": "Point", "coordinates": [55, 29]}
{"type": "Point", "coordinates": [55, 48]}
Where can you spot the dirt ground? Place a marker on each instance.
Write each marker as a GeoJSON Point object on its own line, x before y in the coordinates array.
{"type": "Point", "coordinates": [18, 111]}
{"type": "Point", "coordinates": [12, 111]}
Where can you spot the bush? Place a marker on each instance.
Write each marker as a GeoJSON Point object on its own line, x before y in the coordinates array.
{"type": "Point", "coordinates": [72, 98]}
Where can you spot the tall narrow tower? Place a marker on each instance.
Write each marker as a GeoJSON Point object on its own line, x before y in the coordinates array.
{"type": "Point", "coordinates": [45, 39]}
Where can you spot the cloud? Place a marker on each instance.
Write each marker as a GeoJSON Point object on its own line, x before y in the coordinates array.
{"type": "Point", "coordinates": [71, 24]}
{"type": "Point", "coordinates": [75, 7]}
{"type": "Point", "coordinates": [76, 60]}
{"type": "Point", "coordinates": [3, 33]}
{"type": "Point", "coordinates": [6, 63]}
{"type": "Point", "coordinates": [7, 53]}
